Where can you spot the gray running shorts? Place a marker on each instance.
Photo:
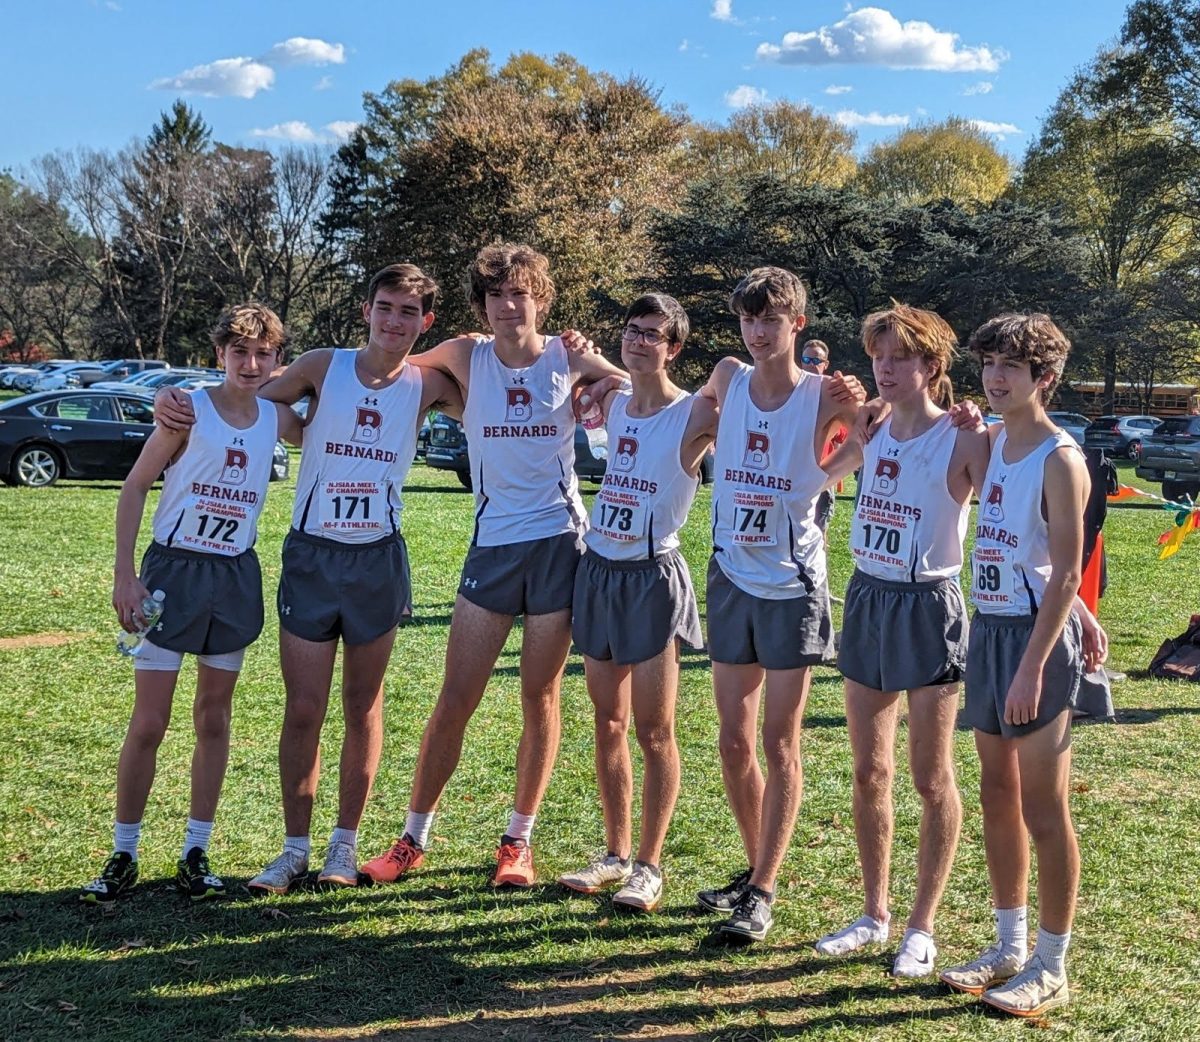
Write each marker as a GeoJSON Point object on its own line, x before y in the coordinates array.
{"type": "Point", "coordinates": [356, 591]}
{"type": "Point", "coordinates": [214, 604]}
{"type": "Point", "coordinates": [629, 611]}
{"type": "Point", "coordinates": [899, 636]}
{"type": "Point", "coordinates": [744, 629]}
{"type": "Point", "coordinates": [996, 646]}
{"type": "Point", "coordinates": [824, 510]}
{"type": "Point", "coordinates": [534, 578]}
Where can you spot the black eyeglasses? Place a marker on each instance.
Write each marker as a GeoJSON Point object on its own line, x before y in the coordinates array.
{"type": "Point", "coordinates": [650, 337]}
{"type": "Point", "coordinates": [813, 360]}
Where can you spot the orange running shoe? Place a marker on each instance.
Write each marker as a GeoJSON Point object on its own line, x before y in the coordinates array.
{"type": "Point", "coordinates": [395, 861]}
{"type": "Point", "coordinates": [514, 863]}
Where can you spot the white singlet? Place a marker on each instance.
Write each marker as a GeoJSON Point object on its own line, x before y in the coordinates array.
{"type": "Point", "coordinates": [357, 452]}
{"type": "Point", "coordinates": [646, 493]}
{"type": "Point", "coordinates": [1010, 564]}
{"type": "Point", "coordinates": [213, 494]}
{"type": "Point", "coordinates": [907, 527]}
{"type": "Point", "coordinates": [521, 441]}
{"type": "Point", "coordinates": [765, 487]}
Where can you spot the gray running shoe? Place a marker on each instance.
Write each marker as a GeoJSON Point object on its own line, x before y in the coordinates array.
{"type": "Point", "coordinates": [994, 966]}
{"type": "Point", "coordinates": [603, 871]}
{"type": "Point", "coordinates": [279, 876]}
{"type": "Point", "coordinates": [643, 891]}
{"type": "Point", "coordinates": [341, 865]}
{"type": "Point", "coordinates": [1032, 992]}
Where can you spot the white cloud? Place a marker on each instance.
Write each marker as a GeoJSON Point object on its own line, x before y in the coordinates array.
{"type": "Point", "coordinates": [834, 88]}
{"type": "Point", "coordinates": [300, 50]}
{"type": "Point", "coordinates": [850, 118]}
{"type": "Point", "coordinates": [324, 83]}
{"type": "Point", "coordinates": [683, 46]}
{"type": "Point", "coordinates": [740, 97]}
{"type": "Point", "coordinates": [295, 130]}
{"type": "Point", "coordinates": [1000, 130]}
{"type": "Point", "coordinates": [341, 129]}
{"type": "Point", "coordinates": [225, 78]}
{"type": "Point", "coordinates": [982, 87]}
{"type": "Point", "coordinates": [872, 36]}
{"type": "Point", "coordinates": [722, 10]}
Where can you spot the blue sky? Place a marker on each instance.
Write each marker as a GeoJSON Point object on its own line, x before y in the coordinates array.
{"type": "Point", "coordinates": [96, 73]}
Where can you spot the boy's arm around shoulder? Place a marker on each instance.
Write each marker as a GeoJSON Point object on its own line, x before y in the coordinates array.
{"type": "Point", "coordinates": [302, 379]}
{"type": "Point", "coordinates": [291, 427]}
{"type": "Point", "coordinates": [439, 391]}
{"type": "Point", "coordinates": [699, 433]}
{"type": "Point", "coordinates": [451, 357]}
{"type": "Point", "coordinates": [717, 385]}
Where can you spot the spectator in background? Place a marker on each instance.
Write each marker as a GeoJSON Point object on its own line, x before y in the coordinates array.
{"type": "Point", "coordinates": [814, 358]}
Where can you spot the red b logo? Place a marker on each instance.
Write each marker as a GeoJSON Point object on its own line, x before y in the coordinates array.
{"type": "Point", "coordinates": [520, 405]}
{"type": "Point", "coordinates": [887, 471]}
{"type": "Point", "coordinates": [758, 451]}
{"type": "Point", "coordinates": [234, 471]}
{"type": "Point", "coordinates": [626, 453]}
{"type": "Point", "coordinates": [368, 425]}
{"type": "Point", "coordinates": [993, 506]}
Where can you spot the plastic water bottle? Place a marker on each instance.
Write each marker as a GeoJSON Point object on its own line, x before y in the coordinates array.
{"type": "Point", "coordinates": [593, 427]}
{"type": "Point", "coordinates": [152, 609]}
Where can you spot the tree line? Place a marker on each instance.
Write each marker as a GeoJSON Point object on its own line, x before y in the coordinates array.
{"type": "Point", "coordinates": [107, 254]}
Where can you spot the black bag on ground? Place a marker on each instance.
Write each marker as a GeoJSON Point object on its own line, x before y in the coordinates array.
{"type": "Point", "coordinates": [1179, 657]}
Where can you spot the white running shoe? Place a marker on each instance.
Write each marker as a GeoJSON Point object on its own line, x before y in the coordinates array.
{"type": "Point", "coordinates": [643, 891]}
{"type": "Point", "coordinates": [341, 865]}
{"type": "Point", "coordinates": [1032, 992]}
{"type": "Point", "coordinates": [994, 966]}
{"type": "Point", "coordinates": [916, 955]}
{"type": "Point", "coordinates": [605, 870]}
{"type": "Point", "coordinates": [279, 876]}
{"type": "Point", "coordinates": [857, 935]}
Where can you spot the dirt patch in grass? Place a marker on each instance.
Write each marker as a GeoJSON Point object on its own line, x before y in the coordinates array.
{"type": "Point", "coordinates": [38, 640]}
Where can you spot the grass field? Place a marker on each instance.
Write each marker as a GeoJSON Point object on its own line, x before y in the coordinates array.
{"type": "Point", "coordinates": [441, 955]}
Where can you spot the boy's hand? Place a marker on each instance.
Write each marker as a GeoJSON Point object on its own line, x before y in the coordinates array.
{"type": "Point", "coordinates": [966, 414]}
{"type": "Point", "coordinates": [575, 342]}
{"type": "Point", "coordinates": [1095, 642]}
{"type": "Point", "coordinates": [596, 394]}
{"type": "Point", "coordinates": [127, 598]}
{"type": "Point", "coordinates": [173, 409]}
{"type": "Point", "coordinates": [869, 417]}
{"type": "Point", "coordinates": [847, 388]}
{"type": "Point", "coordinates": [1024, 696]}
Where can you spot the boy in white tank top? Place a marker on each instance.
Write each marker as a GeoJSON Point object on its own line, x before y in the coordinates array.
{"type": "Point", "coordinates": [203, 559]}
{"type": "Point", "coordinates": [768, 603]}
{"type": "Point", "coordinates": [344, 575]}
{"type": "Point", "coordinates": [529, 525]}
{"type": "Point", "coordinates": [1024, 663]}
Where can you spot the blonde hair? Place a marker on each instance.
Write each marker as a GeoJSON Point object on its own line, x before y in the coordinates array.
{"type": "Point", "coordinates": [1025, 337]}
{"type": "Point", "coordinates": [249, 321]}
{"type": "Point", "coordinates": [918, 332]}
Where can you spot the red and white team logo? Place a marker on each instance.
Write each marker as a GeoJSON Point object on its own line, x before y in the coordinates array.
{"type": "Point", "coordinates": [368, 426]}
{"type": "Point", "coordinates": [519, 408]}
{"type": "Point", "coordinates": [886, 477]}
{"type": "Point", "coordinates": [235, 469]}
{"type": "Point", "coordinates": [993, 504]}
{"type": "Point", "coordinates": [758, 451]}
{"type": "Point", "coordinates": [626, 454]}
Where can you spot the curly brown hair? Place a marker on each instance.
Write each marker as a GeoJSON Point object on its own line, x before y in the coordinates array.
{"type": "Point", "coordinates": [503, 261]}
{"type": "Point", "coordinates": [918, 332]}
{"type": "Point", "coordinates": [248, 321]}
{"type": "Point", "coordinates": [1025, 337]}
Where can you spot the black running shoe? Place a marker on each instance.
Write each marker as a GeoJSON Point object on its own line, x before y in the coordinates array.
{"type": "Point", "coordinates": [116, 879]}
{"type": "Point", "coordinates": [194, 878]}
{"type": "Point", "coordinates": [725, 898]}
{"type": "Point", "coordinates": [751, 918]}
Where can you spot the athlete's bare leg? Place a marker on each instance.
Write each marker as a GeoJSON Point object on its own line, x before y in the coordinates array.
{"type": "Point", "coordinates": [307, 668]}
{"type": "Point", "coordinates": [786, 691]}
{"type": "Point", "coordinates": [1045, 766]}
{"type": "Point", "coordinates": [655, 686]}
{"type": "Point", "coordinates": [871, 720]}
{"type": "Point", "coordinates": [363, 667]}
{"type": "Point", "coordinates": [932, 712]}
{"type": "Point", "coordinates": [476, 639]}
{"type": "Point", "coordinates": [610, 688]}
{"type": "Point", "coordinates": [211, 716]}
{"type": "Point", "coordinates": [153, 691]}
{"type": "Point", "coordinates": [1004, 837]}
{"type": "Point", "coordinates": [737, 689]}
{"type": "Point", "coordinates": [544, 647]}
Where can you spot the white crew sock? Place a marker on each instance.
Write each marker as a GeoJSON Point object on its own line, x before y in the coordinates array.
{"type": "Point", "coordinates": [520, 826]}
{"type": "Point", "coordinates": [340, 835]}
{"type": "Point", "coordinates": [197, 834]}
{"type": "Point", "coordinates": [301, 845]}
{"type": "Point", "coordinates": [126, 836]}
{"type": "Point", "coordinates": [1012, 928]}
{"type": "Point", "coordinates": [418, 826]}
{"type": "Point", "coordinates": [1052, 950]}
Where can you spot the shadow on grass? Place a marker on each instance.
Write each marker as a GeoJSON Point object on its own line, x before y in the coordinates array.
{"type": "Point", "coordinates": [1130, 715]}
{"type": "Point", "coordinates": [431, 961]}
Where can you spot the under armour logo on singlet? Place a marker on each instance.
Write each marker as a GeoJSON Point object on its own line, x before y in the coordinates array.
{"type": "Point", "coordinates": [519, 380]}
{"type": "Point", "coordinates": [370, 401]}
{"type": "Point", "coordinates": [239, 441]}
{"type": "Point", "coordinates": [763, 425]}
{"type": "Point", "coordinates": [894, 453]}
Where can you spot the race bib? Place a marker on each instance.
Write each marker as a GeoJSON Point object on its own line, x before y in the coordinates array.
{"type": "Point", "coordinates": [354, 506]}
{"type": "Point", "coordinates": [755, 518]}
{"type": "Point", "coordinates": [883, 538]}
{"type": "Point", "coordinates": [215, 526]}
{"type": "Point", "coordinates": [619, 515]}
{"type": "Point", "coordinates": [994, 581]}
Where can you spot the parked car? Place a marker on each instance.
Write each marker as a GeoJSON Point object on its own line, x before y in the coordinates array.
{"type": "Point", "coordinates": [1172, 455]}
{"type": "Point", "coordinates": [64, 376]}
{"type": "Point", "coordinates": [80, 434]}
{"type": "Point", "coordinates": [422, 440]}
{"type": "Point", "coordinates": [1119, 435]}
{"type": "Point", "coordinates": [119, 368]}
{"type": "Point", "coordinates": [151, 379]}
{"type": "Point", "coordinates": [1074, 423]}
{"type": "Point", "coordinates": [24, 380]}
